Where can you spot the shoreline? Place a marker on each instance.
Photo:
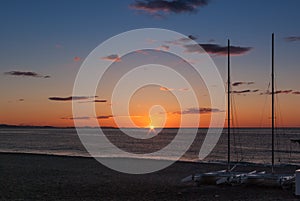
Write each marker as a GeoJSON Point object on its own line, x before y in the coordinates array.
{"type": "Point", "coordinates": [212, 162]}
{"type": "Point", "coordinates": [48, 177]}
{"type": "Point", "coordinates": [10, 126]}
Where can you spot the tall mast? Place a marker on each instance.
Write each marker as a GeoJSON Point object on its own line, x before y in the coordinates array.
{"type": "Point", "coordinates": [228, 105]}
{"type": "Point", "coordinates": [273, 116]}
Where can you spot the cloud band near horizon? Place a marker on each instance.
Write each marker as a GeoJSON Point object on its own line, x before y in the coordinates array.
{"type": "Point", "coordinates": [26, 74]}
{"type": "Point", "coordinates": [202, 110]}
{"type": "Point", "coordinates": [70, 98]}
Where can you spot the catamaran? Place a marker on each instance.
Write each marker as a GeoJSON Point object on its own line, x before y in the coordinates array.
{"type": "Point", "coordinates": [295, 141]}
{"type": "Point", "coordinates": [272, 178]}
{"type": "Point", "coordinates": [250, 178]}
{"type": "Point", "coordinates": [227, 175]}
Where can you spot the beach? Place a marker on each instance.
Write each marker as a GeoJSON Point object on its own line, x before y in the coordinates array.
{"type": "Point", "coordinates": [149, 100]}
{"type": "Point", "coordinates": [45, 177]}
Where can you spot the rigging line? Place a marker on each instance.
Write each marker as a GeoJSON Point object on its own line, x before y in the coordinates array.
{"type": "Point", "coordinates": [238, 144]}
{"type": "Point", "coordinates": [239, 136]}
{"type": "Point", "coordinates": [273, 106]}
{"type": "Point", "coordinates": [233, 123]}
{"type": "Point", "coordinates": [228, 105]}
{"type": "Point", "coordinates": [265, 104]}
{"type": "Point", "coordinates": [279, 120]}
{"type": "Point", "coordinates": [262, 115]}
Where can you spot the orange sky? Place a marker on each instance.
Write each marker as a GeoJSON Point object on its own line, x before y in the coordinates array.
{"type": "Point", "coordinates": [249, 111]}
{"type": "Point", "coordinates": [41, 60]}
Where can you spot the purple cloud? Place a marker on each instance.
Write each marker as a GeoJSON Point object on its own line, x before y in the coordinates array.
{"type": "Point", "coordinates": [182, 40]}
{"type": "Point", "coordinates": [104, 117]}
{"type": "Point", "coordinates": [160, 7]}
{"type": "Point", "coordinates": [292, 38]}
{"type": "Point", "coordinates": [78, 118]}
{"type": "Point", "coordinates": [70, 98]}
{"type": "Point", "coordinates": [203, 110]}
{"type": "Point", "coordinates": [217, 49]}
{"type": "Point", "coordinates": [99, 101]}
{"type": "Point", "coordinates": [112, 57]}
{"type": "Point", "coordinates": [241, 83]}
{"type": "Point", "coordinates": [287, 91]}
{"type": "Point", "coordinates": [296, 92]}
{"type": "Point", "coordinates": [245, 91]}
{"type": "Point", "coordinates": [26, 74]}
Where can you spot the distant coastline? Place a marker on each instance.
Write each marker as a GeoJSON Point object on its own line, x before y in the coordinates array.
{"type": "Point", "coordinates": [111, 127]}
{"type": "Point", "coordinates": [47, 127]}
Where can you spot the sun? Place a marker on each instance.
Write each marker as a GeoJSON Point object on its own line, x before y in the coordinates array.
{"type": "Point", "coordinates": [152, 127]}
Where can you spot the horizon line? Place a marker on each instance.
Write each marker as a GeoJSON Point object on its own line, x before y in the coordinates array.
{"type": "Point", "coordinates": [113, 127]}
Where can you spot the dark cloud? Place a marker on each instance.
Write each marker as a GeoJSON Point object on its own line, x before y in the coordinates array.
{"type": "Point", "coordinates": [70, 98]}
{"type": "Point", "coordinates": [160, 7]}
{"type": "Point", "coordinates": [78, 118]}
{"type": "Point", "coordinates": [198, 111]}
{"type": "Point", "coordinates": [186, 40]}
{"type": "Point", "coordinates": [296, 92]}
{"type": "Point", "coordinates": [87, 118]}
{"type": "Point", "coordinates": [210, 48]}
{"type": "Point", "coordinates": [292, 38]}
{"type": "Point", "coordinates": [99, 101]}
{"type": "Point", "coordinates": [182, 40]}
{"type": "Point", "coordinates": [244, 91]}
{"type": "Point", "coordinates": [241, 83]}
{"type": "Point", "coordinates": [95, 101]}
{"type": "Point", "coordinates": [112, 57]}
{"type": "Point", "coordinates": [217, 49]}
{"type": "Point", "coordinates": [283, 91]}
{"type": "Point", "coordinates": [192, 37]}
{"type": "Point", "coordinates": [288, 91]}
{"type": "Point", "coordinates": [104, 117]}
{"type": "Point", "coordinates": [21, 100]}
{"type": "Point", "coordinates": [26, 74]}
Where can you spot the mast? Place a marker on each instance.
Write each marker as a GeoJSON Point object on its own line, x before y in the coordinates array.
{"type": "Point", "coordinates": [273, 111]}
{"type": "Point", "coordinates": [228, 105]}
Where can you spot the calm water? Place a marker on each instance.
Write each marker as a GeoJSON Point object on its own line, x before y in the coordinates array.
{"type": "Point", "coordinates": [248, 145]}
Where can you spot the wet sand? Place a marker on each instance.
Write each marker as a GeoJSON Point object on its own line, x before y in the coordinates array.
{"type": "Point", "coordinates": [43, 177]}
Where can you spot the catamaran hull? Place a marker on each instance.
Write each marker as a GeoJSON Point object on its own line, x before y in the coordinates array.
{"type": "Point", "coordinates": [240, 178]}
{"type": "Point", "coordinates": [271, 180]}
{"type": "Point", "coordinates": [212, 178]}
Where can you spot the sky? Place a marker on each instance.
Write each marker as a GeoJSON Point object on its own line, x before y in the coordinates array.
{"type": "Point", "coordinates": [44, 44]}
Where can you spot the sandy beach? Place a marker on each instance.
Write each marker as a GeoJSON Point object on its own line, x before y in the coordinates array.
{"type": "Point", "coordinates": [42, 177]}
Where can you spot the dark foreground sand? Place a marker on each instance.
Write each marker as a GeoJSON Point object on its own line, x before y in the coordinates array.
{"type": "Point", "coordinates": [40, 177]}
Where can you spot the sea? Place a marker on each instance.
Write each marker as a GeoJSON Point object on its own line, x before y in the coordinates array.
{"type": "Point", "coordinates": [248, 145]}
